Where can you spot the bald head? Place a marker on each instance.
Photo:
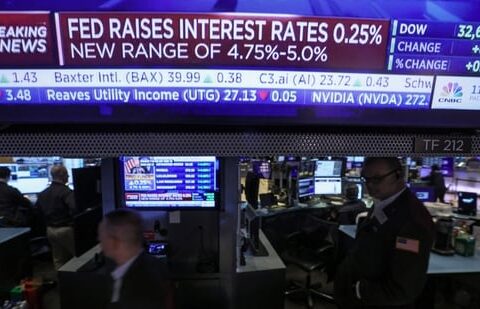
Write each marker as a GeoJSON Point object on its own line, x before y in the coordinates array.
{"type": "Point", "coordinates": [59, 173]}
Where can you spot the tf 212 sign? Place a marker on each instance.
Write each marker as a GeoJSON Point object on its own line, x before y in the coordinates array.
{"type": "Point", "coordinates": [443, 145]}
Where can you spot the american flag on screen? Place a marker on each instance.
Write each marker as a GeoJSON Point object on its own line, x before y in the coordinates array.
{"type": "Point", "coordinates": [130, 164]}
{"type": "Point", "coordinates": [407, 244]}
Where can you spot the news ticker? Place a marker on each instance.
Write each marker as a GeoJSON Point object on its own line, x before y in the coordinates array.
{"type": "Point", "coordinates": [177, 86]}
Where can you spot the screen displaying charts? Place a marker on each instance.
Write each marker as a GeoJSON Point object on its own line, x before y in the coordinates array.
{"type": "Point", "coordinates": [169, 182]}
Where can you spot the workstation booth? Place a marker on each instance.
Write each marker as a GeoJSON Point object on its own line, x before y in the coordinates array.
{"type": "Point", "coordinates": [231, 126]}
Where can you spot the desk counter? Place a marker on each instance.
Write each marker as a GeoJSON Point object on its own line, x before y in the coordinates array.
{"type": "Point", "coordinates": [438, 264]}
{"type": "Point", "coordinates": [261, 282]}
{"type": "Point", "coordinates": [15, 261]}
{"type": "Point", "coordinates": [269, 212]}
{"type": "Point", "coordinates": [262, 263]}
{"type": "Point", "coordinates": [7, 233]}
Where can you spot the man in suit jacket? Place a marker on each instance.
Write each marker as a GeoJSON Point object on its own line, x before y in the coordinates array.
{"type": "Point", "coordinates": [138, 281]}
{"type": "Point", "coordinates": [12, 202]}
{"type": "Point", "coordinates": [387, 265]}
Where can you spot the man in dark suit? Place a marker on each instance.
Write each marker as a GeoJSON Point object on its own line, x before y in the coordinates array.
{"type": "Point", "coordinates": [138, 281]}
{"type": "Point", "coordinates": [12, 202]}
{"type": "Point", "coordinates": [436, 180]}
{"type": "Point", "coordinates": [387, 265]}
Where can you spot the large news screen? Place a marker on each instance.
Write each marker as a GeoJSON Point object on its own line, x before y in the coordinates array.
{"type": "Point", "coordinates": [169, 182]}
{"type": "Point", "coordinates": [276, 62]}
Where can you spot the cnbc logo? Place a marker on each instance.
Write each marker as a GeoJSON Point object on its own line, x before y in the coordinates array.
{"type": "Point", "coordinates": [451, 93]}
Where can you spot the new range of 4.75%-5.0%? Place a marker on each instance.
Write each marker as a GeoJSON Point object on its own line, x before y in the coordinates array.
{"type": "Point", "coordinates": [261, 52]}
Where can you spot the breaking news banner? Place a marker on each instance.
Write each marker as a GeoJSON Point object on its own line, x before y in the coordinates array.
{"type": "Point", "coordinates": [26, 39]}
{"type": "Point", "coordinates": [220, 39]}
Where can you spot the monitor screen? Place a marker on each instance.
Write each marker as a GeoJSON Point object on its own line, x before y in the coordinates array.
{"type": "Point", "coordinates": [262, 168]}
{"type": "Point", "coordinates": [328, 185]}
{"type": "Point", "coordinates": [424, 194]}
{"type": "Point", "coordinates": [306, 187]}
{"type": "Point", "coordinates": [446, 165]}
{"type": "Point", "coordinates": [355, 162]}
{"type": "Point", "coordinates": [329, 168]}
{"type": "Point", "coordinates": [170, 182]}
{"type": "Point", "coordinates": [425, 171]}
{"type": "Point", "coordinates": [288, 63]}
{"type": "Point", "coordinates": [467, 203]}
{"type": "Point", "coordinates": [267, 199]}
{"type": "Point", "coordinates": [307, 168]}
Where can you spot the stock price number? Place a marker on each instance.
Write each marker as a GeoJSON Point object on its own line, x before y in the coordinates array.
{"type": "Point", "coordinates": [16, 95]}
{"type": "Point", "coordinates": [183, 77]}
{"type": "Point", "coordinates": [334, 80]}
{"type": "Point", "coordinates": [471, 32]}
{"type": "Point", "coordinates": [382, 81]}
{"type": "Point", "coordinates": [229, 77]}
{"type": "Point", "coordinates": [283, 96]}
{"type": "Point", "coordinates": [24, 77]}
{"type": "Point", "coordinates": [239, 95]}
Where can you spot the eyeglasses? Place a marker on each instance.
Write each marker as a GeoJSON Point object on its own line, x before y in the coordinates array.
{"type": "Point", "coordinates": [378, 179]}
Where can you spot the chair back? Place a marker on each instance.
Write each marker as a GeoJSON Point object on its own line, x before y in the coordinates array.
{"type": "Point", "coordinates": [324, 230]}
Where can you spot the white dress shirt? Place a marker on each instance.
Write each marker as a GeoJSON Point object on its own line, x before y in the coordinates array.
{"type": "Point", "coordinates": [379, 206]}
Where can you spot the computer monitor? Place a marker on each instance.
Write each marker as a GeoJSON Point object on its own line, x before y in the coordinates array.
{"type": "Point", "coordinates": [170, 183]}
{"type": "Point", "coordinates": [262, 168]}
{"type": "Point", "coordinates": [424, 193]}
{"type": "Point", "coordinates": [446, 165]}
{"type": "Point", "coordinates": [355, 162]}
{"type": "Point", "coordinates": [467, 203]}
{"type": "Point", "coordinates": [306, 188]}
{"type": "Point", "coordinates": [329, 168]}
{"type": "Point", "coordinates": [328, 185]}
{"type": "Point", "coordinates": [28, 179]}
{"type": "Point", "coordinates": [267, 199]}
{"type": "Point", "coordinates": [425, 171]}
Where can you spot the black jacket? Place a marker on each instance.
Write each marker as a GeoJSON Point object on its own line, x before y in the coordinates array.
{"type": "Point", "coordinates": [144, 285]}
{"type": "Point", "coordinates": [436, 180]}
{"type": "Point", "coordinates": [390, 260]}
{"type": "Point", "coordinates": [11, 200]}
{"type": "Point", "coordinates": [57, 205]}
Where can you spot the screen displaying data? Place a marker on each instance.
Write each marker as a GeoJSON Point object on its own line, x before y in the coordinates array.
{"type": "Point", "coordinates": [328, 168]}
{"type": "Point", "coordinates": [328, 185]}
{"type": "Point", "coordinates": [306, 187]}
{"type": "Point", "coordinates": [169, 182]}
